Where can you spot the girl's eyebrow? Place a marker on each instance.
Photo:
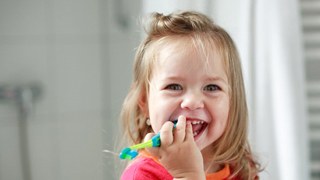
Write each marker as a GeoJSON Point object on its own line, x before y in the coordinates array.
{"type": "Point", "coordinates": [217, 78]}
{"type": "Point", "coordinates": [213, 78]}
{"type": "Point", "coordinates": [176, 78]}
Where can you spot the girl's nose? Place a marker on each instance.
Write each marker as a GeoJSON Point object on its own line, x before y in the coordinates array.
{"type": "Point", "coordinates": [192, 101]}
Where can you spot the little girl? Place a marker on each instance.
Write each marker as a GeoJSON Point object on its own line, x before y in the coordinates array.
{"type": "Point", "coordinates": [188, 69]}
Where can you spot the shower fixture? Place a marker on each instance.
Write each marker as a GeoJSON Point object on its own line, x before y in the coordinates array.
{"type": "Point", "coordinates": [24, 96]}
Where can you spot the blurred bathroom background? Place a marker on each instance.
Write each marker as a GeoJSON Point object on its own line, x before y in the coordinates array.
{"type": "Point", "coordinates": [65, 68]}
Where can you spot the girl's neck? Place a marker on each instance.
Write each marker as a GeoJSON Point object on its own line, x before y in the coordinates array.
{"type": "Point", "coordinates": [212, 168]}
{"type": "Point", "coordinates": [209, 166]}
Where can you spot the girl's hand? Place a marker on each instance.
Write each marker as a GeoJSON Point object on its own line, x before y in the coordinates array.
{"type": "Point", "coordinates": [178, 152]}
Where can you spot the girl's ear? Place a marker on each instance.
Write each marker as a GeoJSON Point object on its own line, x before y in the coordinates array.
{"type": "Point", "coordinates": [143, 104]}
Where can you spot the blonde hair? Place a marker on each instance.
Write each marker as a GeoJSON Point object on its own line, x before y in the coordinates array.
{"type": "Point", "coordinates": [232, 147]}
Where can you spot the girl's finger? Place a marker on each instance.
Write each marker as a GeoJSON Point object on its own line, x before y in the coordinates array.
{"type": "Point", "coordinates": [166, 135]}
{"type": "Point", "coordinates": [189, 132]}
{"type": "Point", "coordinates": [180, 130]}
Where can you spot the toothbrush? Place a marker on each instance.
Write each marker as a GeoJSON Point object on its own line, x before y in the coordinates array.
{"type": "Point", "coordinates": [132, 151]}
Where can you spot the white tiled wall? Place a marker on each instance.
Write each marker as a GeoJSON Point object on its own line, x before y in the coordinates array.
{"type": "Point", "coordinates": [82, 58]}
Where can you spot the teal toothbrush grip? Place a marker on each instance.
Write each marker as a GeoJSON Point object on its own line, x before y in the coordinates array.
{"type": "Point", "coordinates": [156, 140]}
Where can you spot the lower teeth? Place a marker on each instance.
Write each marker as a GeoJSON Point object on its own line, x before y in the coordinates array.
{"type": "Point", "coordinates": [195, 133]}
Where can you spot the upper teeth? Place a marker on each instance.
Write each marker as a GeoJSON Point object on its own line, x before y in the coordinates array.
{"type": "Point", "coordinates": [197, 122]}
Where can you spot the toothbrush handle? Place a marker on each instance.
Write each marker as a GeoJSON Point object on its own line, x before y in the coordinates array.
{"type": "Point", "coordinates": [154, 142]}
{"type": "Point", "coordinates": [131, 152]}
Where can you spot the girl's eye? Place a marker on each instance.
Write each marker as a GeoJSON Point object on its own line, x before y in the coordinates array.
{"type": "Point", "coordinates": [174, 87]}
{"type": "Point", "coordinates": [211, 87]}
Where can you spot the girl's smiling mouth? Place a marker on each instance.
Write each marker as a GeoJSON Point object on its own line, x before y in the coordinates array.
{"type": "Point", "coordinates": [198, 127]}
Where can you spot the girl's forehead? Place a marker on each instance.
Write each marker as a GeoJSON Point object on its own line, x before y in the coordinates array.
{"type": "Point", "coordinates": [184, 57]}
{"type": "Point", "coordinates": [188, 49]}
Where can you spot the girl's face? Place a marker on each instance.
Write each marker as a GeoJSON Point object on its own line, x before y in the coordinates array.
{"type": "Point", "coordinates": [183, 83]}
